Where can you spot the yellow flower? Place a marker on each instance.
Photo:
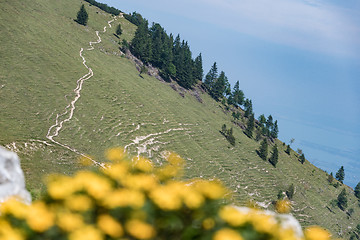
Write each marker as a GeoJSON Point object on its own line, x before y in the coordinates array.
{"type": "Point", "coordinates": [117, 171]}
{"type": "Point", "coordinates": [140, 229]}
{"type": "Point", "coordinates": [140, 182]}
{"type": "Point", "coordinates": [227, 234]}
{"type": "Point", "coordinates": [115, 154]}
{"type": "Point", "coordinates": [60, 187]}
{"type": "Point", "coordinates": [211, 189]}
{"type": "Point", "coordinates": [124, 198]}
{"type": "Point", "coordinates": [70, 221]}
{"type": "Point", "coordinates": [175, 159]}
{"type": "Point", "coordinates": [316, 233]}
{"type": "Point", "coordinates": [143, 164]}
{"type": "Point", "coordinates": [232, 216]}
{"type": "Point", "coordinates": [283, 206]}
{"type": "Point", "coordinates": [7, 232]}
{"type": "Point", "coordinates": [39, 217]}
{"type": "Point", "coordinates": [169, 171]}
{"type": "Point", "coordinates": [192, 198]}
{"type": "Point", "coordinates": [208, 223]}
{"type": "Point", "coordinates": [110, 226]}
{"type": "Point", "coordinates": [97, 187]}
{"type": "Point", "coordinates": [86, 233]}
{"type": "Point", "coordinates": [263, 223]}
{"type": "Point", "coordinates": [14, 207]}
{"type": "Point", "coordinates": [78, 203]}
{"type": "Point", "coordinates": [166, 197]}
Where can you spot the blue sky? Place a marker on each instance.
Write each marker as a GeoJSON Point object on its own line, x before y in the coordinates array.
{"type": "Point", "coordinates": [298, 60]}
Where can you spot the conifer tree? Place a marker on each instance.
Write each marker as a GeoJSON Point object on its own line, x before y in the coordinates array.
{"type": "Point", "coordinates": [237, 95]}
{"type": "Point", "coordinates": [340, 175]}
{"type": "Point", "coordinates": [342, 200]}
{"type": "Point", "coordinates": [141, 44]}
{"type": "Point", "coordinates": [248, 107]}
{"type": "Point", "coordinates": [288, 149]}
{"type": "Point", "coordinates": [82, 16]}
{"type": "Point", "coordinates": [211, 77]}
{"type": "Point", "coordinates": [198, 68]}
{"type": "Point", "coordinates": [302, 158]}
{"type": "Point", "coordinates": [118, 30]}
{"type": "Point", "coordinates": [263, 151]}
{"type": "Point", "coordinates": [275, 130]}
{"type": "Point", "coordinates": [275, 156]}
{"type": "Point", "coordinates": [219, 86]}
{"type": "Point", "coordinates": [357, 191]}
{"type": "Point", "coordinates": [262, 119]}
{"type": "Point", "coordinates": [290, 192]}
{"type": "Point", "coordinates": [250, 126]}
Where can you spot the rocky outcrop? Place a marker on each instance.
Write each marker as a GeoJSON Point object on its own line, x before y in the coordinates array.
{"type": "Point", "coordinates": [12, 181]}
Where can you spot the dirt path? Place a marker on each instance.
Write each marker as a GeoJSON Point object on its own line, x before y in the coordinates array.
{"type": "Point", "coordinates": [67, 115]}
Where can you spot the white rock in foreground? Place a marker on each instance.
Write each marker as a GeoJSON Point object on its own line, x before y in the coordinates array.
{"type": "Point", "coordinates": [12, 181]}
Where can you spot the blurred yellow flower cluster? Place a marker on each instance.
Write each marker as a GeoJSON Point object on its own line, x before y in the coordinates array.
{"type": "Point", "coordinates": [132, 199]}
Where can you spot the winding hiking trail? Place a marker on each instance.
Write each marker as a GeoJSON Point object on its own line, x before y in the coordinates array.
{"type": "Point", "coordinates": [68, 114]}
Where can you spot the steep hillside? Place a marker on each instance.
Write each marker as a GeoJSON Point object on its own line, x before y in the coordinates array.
{"type": "Point", "coordinates": [40, 66]}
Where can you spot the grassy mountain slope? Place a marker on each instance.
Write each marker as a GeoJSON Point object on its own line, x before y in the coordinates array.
{"type": "Point", "coordinates": [39, 67]}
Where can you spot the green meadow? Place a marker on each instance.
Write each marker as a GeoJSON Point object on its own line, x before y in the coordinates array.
{"type": "Point", "coordinates": [39, 67]}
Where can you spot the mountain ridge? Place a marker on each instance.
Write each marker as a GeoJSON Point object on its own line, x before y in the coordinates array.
{"type": "Point", "coordinates": [120, 108]}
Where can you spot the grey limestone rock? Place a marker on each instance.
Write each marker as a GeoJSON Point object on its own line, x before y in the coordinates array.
{"type": "Point", "coordinates": [12, 180]}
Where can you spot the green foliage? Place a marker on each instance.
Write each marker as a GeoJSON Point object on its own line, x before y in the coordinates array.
{"type": "Point", "coordinates": [290, 191]}
{"type": "Point", "coordinates": [250, 126]}
{"type": "Point", "coordinates": [263, 151]}
{"type": "Point", "coordinates": [228, 134]}
{"type": "Point", "coordinates": [135, 18]}
{"type": "Point", "coordinates": [280, 195]}
{"type": "Point", "coordinates": [198, 68]}
{"type": "Point", "coordinates": [118, 30]}
{"type": "Point", "coordinates": [275, 156]}
{"type": "Point", "coordinates": [288, 149]}
{"type": "Point", "coordinates": [237, 95]}
{"type": "Point", "coordinates": [248, 108]}
{"type": "Point", "coordinates": [340, 175]}
{"type": "Point", "coordinates": [302, 158]}
{"type": "Point", "coordinates": [330, 178]}
{"type": "Point", "coordinates": [236, 115]}
{"type": "Point", "coordinates": [124, 45]}
{"type": "Point", "coordinates": [141, 45]}
{"type": "Point", "coordinates": [357, 190]}
{"type": "Point", "coordinates": [342, 200]}
{"type": "Point", "coordinates": [82, 16]}
{"type": "Point", "coordinates": [104, 7]}
{"type": "Point", "coordinates": [275, 130]}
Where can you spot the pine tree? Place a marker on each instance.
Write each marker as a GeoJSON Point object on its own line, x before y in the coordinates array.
{"type": "Point", "coordinates": [302, 158]}
{"type": "Point", "coordinates": [275, 130]}
{"type": "Point", "coordinates": [82, 16]}
{"type": "Point", "coordinates": [342, 200]}
{"type": "Point", "coordinates": [275, 156]}
{"type": "Point", "coordinates": [118, 30]}
{"type": "Point", "coordinates": [237, 94]}
{"type": "Point", "coordinates": [288, 149]}
{"type": "Point", "coordinates": [198, 68]}
{"type": "Point", "coordinates": [262, 119]}
{"type": "Point", "coordinates": [357, 191]}
{"type": "Point", "coordinates": [340, 175]}
{"type": "Point", "coordinates": [250, 126]}
{"type": "Point", "coordinates": [263, 151]}
{"type": "Point", "coordinates": [248, 107]}
{"type": "Point", "coordinates": [219, 86]}
{"type": "Point", "coordinates": [290, 192]}
{"type": "Point", "coordinates": [211, 77]}
{"type": "Point", "coordinates": [141, 43]}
